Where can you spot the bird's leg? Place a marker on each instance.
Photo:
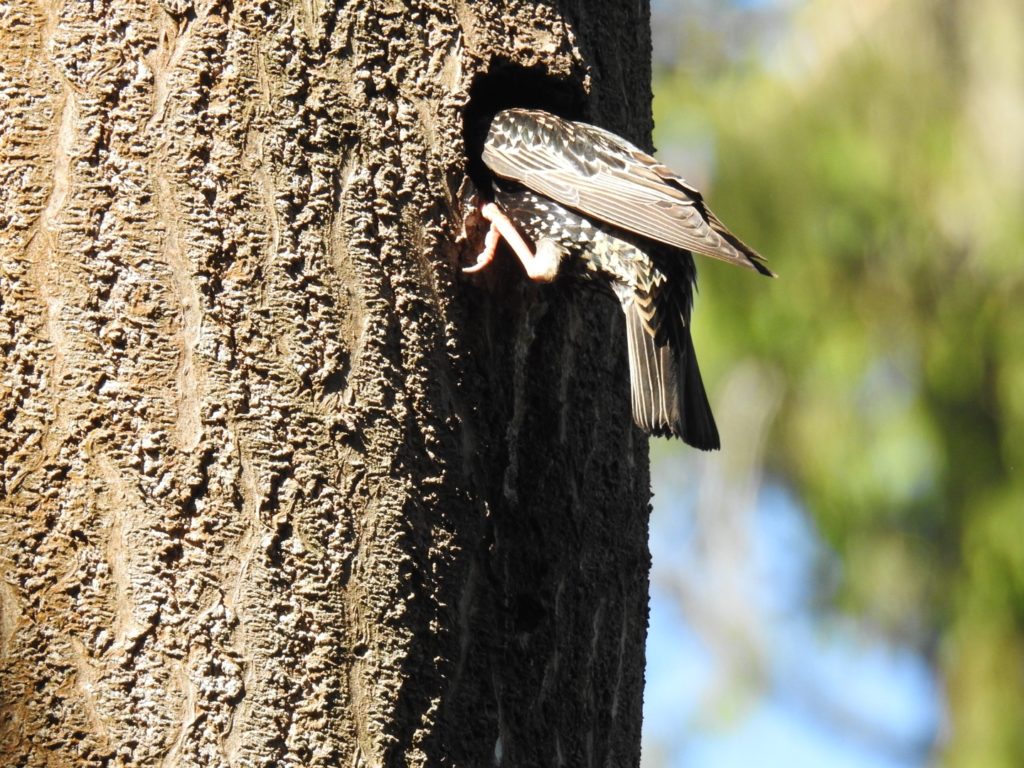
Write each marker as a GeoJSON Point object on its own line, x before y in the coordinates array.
{"type": "Point", "coordinates": [541, 266]}
{"type": "Point", "coordinates": [500, 226]}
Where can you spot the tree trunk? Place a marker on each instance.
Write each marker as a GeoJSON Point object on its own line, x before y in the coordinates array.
{"type": "Point", "coordinates": [280, 485]}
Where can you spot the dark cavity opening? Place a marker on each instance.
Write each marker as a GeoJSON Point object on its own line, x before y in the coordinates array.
{"type": "Point", "coordinates": [507, 85]}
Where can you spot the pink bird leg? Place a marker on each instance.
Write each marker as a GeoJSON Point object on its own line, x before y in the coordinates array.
{"type": "Point", "coordinates": [541, 266]}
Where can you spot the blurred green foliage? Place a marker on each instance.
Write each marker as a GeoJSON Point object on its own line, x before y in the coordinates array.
{"type": "Point", "coordinates": [877, 161]}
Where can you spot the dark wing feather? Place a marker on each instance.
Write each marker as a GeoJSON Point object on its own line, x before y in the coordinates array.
{"type": "Point", "coordinates": [665, 382]}
{"type": "Point", "coordinates": [652, 380]}
{"type": "Point", "coordinates": [601, 175]}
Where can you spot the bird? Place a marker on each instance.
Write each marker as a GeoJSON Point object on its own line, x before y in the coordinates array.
{"type": "Point", "coordinates": [568, 196]}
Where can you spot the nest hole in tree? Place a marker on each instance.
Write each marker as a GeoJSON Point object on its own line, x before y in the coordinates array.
{"type": "Point", "coordinates": [506, 85]}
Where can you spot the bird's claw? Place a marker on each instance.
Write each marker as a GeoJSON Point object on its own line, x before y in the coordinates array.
{"type": "Point", "coordinates": [486, 256]}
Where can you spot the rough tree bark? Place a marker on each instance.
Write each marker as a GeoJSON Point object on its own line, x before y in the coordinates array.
{"type": "Point", "coordinates": [279, 485]}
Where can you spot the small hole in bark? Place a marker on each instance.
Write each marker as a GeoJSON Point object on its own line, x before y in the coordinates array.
{"type": "Point", "coordinates": [295, 266]}
{"type": "Point", "coordinates": [284, 532]}
{"type": "Point", "coordinates": [360, 649]}
{"type": "Point", "coordinates": [172, 554]}
{"type": "Point", "coordinates": [334, 382]}
{"type": "Point", "coordinates": [507, 85]}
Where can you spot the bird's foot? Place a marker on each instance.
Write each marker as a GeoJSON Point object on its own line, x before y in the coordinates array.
{"type": "Point", "coordinates": [541, 265]}
{"type": "Point", "coordinates": [486, 256]}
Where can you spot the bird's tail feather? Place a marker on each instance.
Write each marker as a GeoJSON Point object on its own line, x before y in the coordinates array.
{"type": "Point", "coordinates": [668, 393]}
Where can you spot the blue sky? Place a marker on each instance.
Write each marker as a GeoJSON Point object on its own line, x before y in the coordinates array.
{"type": "Point", "coordinates": [825, 690]}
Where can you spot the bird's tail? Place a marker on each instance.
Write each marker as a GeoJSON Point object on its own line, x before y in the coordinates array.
{"type": "Point", "coordinates": [668, 393]}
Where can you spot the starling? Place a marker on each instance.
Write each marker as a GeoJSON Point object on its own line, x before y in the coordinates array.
{"type": "Point", "coordinates": [595, 205]}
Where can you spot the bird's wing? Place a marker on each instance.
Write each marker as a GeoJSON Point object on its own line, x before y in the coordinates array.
{"type": "Point", "coordinates": [604, 176]}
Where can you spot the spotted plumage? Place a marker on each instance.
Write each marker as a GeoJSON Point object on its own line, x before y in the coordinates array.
{"type": "Point", "coordinates": [593, 203]}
